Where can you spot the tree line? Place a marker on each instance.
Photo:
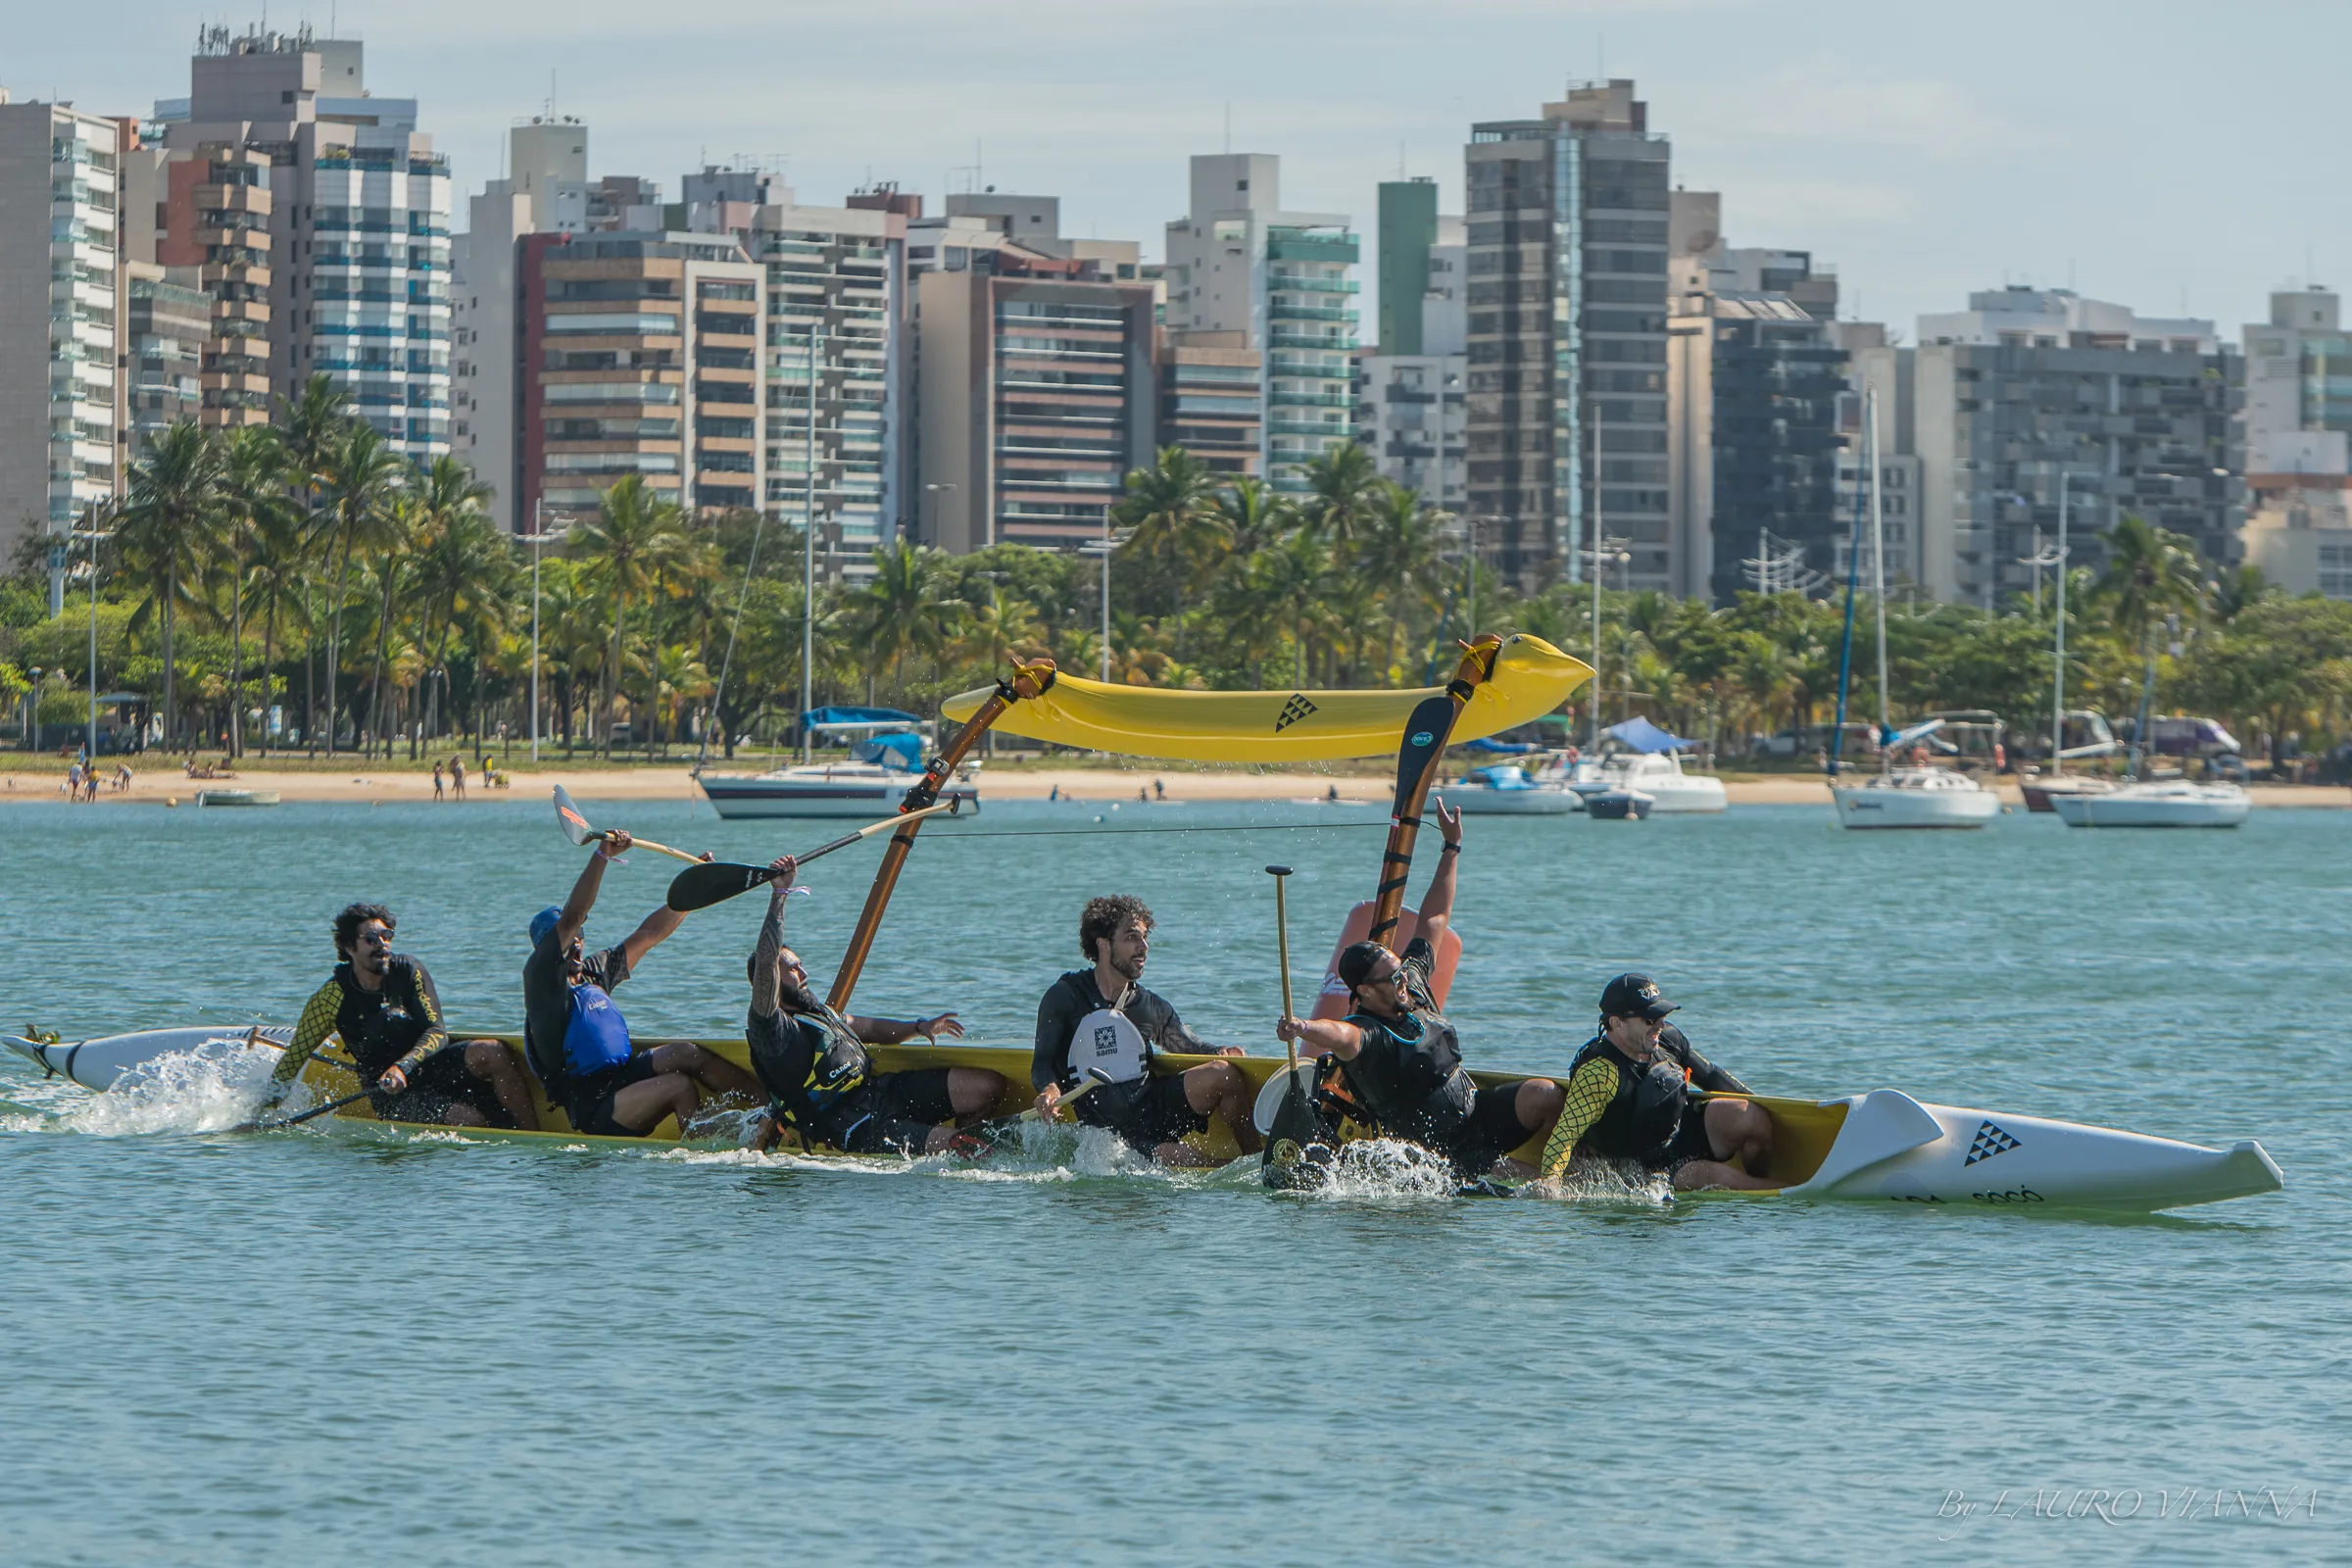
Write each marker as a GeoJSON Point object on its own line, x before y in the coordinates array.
{"type": "Point", "coordinates": [306, 568]}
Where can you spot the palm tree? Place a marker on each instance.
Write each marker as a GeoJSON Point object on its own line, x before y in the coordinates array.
{"type": "Point", "coordinates": [178, 498]}
{"type": "Point", "coordinates": [461, 557]}
{"type": "Point", "coordinates": [401, 532]}
{"type": "Point", "coordinates": [635, 538]}
{"type": "Point", "coordinates": [278, 580]}
{"type": "Point", "coordinates": [1397, 552]}
{"type": "Point", "coordinates": [905, 609]}
{"type": "Point", "coordinates": [1170, 510]}
{"type": "Point", "coordinates": [1293, 580]}
{"type": "Point", "coordinates": [1256, 516]}
{"type": "Point", "coordinates": [254, 482]}
{"type": "Point", "coordinates": [1341, 483]}
{"type": "Point", "coordinates": [1002, 629]}
{"type": "Point", "coordinates": [2150, 572]}
{"type": "Point", "coordinates": [360, 479]}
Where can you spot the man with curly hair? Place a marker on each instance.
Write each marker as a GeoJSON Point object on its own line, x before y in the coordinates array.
{"type": "Point", "coordinates": [1102, 1017]}
{"type": "Point", "coordinates": [382, 1006]}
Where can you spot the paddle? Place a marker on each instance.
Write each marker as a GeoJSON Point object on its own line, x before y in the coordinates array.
{"type": "Point", "coordinates": [995, 1132]}
{"type": "Point", "coordinates": [1296, 1125]}
{"type": "Point", "coordinates": [577, 829]}
{"type": "Point", "coordinates": [296, 1119]}
{"type": "Point", "coordinates": [1282, 946]}
{"type": "Point", "coordinates": [709, 882]}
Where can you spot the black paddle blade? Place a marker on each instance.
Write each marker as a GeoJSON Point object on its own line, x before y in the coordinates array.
{"type": "Point", "coordinates": [575, 827]}
{"type": "Point", "coordinates": [1301, 1145]}
{"type": "Point", "coordinates": [1425, 736]}
{"type": "Point", "coordinates": [699, 887]}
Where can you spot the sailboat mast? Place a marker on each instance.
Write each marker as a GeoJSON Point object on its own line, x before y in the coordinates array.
{"type": "Point", "coordinates": [1878, 565]}
{"type": "Point", "coordinates": [1845, 646]}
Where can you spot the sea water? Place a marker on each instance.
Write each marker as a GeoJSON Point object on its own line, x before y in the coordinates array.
{"type": "Point", "coordinates": [337, 1342]}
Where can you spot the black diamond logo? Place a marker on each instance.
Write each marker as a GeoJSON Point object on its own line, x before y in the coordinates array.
{"type": "Point", "coordinates": [1296, 709]}
{"type": "Point", "coordinates": [1989, 1141]}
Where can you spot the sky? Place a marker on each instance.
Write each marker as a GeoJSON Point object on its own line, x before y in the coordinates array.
{"type": "Point", "coordinates": [2179, 158]}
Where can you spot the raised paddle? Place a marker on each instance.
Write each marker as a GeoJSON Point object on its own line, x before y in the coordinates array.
{"type": "Point", "coordinates": [709, 882]}
{"type": "Point", "coordinates": [577, 828]}
{"type": "Point", "coordinates": [1282, 946]}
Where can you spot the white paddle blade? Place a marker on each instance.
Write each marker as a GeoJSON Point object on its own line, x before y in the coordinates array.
{"type": "Point", "coordinates": [575, 827]}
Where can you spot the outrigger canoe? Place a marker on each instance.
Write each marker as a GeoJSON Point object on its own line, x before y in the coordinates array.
{"type": "Point", "coordinates": [1882, 1147]}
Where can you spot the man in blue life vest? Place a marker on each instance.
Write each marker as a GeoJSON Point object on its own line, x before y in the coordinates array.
{"type": "Point", "coordinates": [820, 1076]}
{"type": "Point", "coordinates": [1401, 1059]}
{"type": "Point", "coordinates": [578, 1043]}
{"type": "Point", "coordinates": [1629, 1097]}
{"type": "Point", "coordinates": [1102, 1017]}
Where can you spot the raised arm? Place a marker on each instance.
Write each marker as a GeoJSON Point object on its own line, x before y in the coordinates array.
{"type": "Point", "coordinates": [767, 953]}
{"type": "Point", "coordinates": [1437, 905]}
{"type": "Point", "coordinates": [582, 896]}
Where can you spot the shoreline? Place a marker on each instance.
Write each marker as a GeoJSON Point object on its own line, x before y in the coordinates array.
{"type": "Point", "coordinates": [1184, 783]}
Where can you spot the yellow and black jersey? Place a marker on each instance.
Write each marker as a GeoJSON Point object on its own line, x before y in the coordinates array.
{"type": "Point", "coordinates": [397, 1024]}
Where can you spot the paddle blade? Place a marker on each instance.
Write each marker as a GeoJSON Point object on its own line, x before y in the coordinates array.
{"type": "Point", "coordinates": [575, 827]}
{"type": "Point", "coordinates": [699, 887]}
{"type": "Point", "coordinates": [1425, 736]}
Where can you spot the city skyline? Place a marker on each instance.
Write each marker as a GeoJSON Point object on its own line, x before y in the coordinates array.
{"type": "Point", "coordinates": [1920, 164]}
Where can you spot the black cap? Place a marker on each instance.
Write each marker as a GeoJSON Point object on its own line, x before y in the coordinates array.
{"type": "Point", "coordinates": [1635, 996]}
{"type": "Point", "coordinates": [1357, 960]}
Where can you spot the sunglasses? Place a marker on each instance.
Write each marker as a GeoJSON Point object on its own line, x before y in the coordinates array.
{"type": "Point", "coordinates": [381, 939]}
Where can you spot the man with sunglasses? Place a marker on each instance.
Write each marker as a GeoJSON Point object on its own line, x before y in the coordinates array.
{"type": "Point", "coordinates": [382, 1006]}
{"type": "Point", "coordinates": [576, 1040]}
{"type": "Point", "coordinates": [1402, 1061]}
{"type": "Point", "coordinates": [813, 1064]}
{"type": "Point", "coordinates": [1630, 1097]}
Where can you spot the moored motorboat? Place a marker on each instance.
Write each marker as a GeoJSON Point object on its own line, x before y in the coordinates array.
{"type": "Point", "coordinates": [1505, 790]}
{"type": "Point", "coordinates": [236, 797]}
{"type": "Point", "coordinates": [1915, 798]}
{"type": "Point", "coordinates": [822, 789]}
{"type": "Point", "coordinates": [1620, 805]}
{"type": "Point", "coordinates": [1661, 776]}
{"type": "Point", "coordinates": [2042, 794]}
{"type": "Point", "coordinates": [2158, 802]}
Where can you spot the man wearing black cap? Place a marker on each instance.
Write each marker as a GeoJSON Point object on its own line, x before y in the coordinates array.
{"type": "Point", "coordinates": [1628, 1098]}
{"type": "Point", "coordinates": [1402, 1061]}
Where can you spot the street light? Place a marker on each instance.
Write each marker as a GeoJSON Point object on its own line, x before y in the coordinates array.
{"type": "Point", "coordinates": [538, 538]}
{"type": "Point", "coordinates": [1604, 550]}
{"type": "Point", "coordinates": [1104, 548]}
{"type": "Point", "coordinates": [33, 711]}
{"type": "Point", "coordinates": [93, 534]}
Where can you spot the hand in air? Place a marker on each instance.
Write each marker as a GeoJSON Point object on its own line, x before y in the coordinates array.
{"type": "Point", "coordinates": [780, 872]}
{"type": "Point", "coordinates": [617, 843]}
{"type": "Point", "coordinates": [705, 857]}
{"type": "Point", "coordinates": [1449, 823]}
{"type": "Point", "coordinates": [946, 1023]}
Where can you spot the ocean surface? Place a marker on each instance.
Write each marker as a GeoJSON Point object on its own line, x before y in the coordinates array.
{"type": "Point", "coordinates": [335, 1344]}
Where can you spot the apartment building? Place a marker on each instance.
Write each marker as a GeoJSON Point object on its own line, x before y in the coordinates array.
{"type": "Point", "coordinates": [2031, 389]}
{"type": "Point", "coordinates": [1212, 399]}
{"type": "Point", "coordinates": [544, 190]}
{"type": "Point", "coordinates": [1412, 411]}
{"type": "Point", "coordinates": [1756, 383]}
{"type": "Point", "coordinates": [210, 229]}
{"type": "Point", "coordinates": [167, 333]}
{"type": "Point", "coordinates": [637, 354]}
{"type": "Point", "coordinates": [1566, 274]}
{"type": "Point", "coordinates": [354, 280]}
{"type": "Point", "coordinates": [1239, 262]}
{"type": "Point", "coordinates": [2298, 422]}
{"type": "Point", "coordinates": [1038, 397]}
{"type": "Point", "coordinates": [61, 436]}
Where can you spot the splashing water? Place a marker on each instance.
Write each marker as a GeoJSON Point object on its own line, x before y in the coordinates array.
{"type": "Point", "coordinates": [183, 1092]}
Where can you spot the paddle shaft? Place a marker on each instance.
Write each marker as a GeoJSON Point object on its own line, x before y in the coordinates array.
{"type": "Point", "coordinates": [300, 1117]}
{"type": "Point", "coordinates": [637, 843]}
{"type": "Point", "coordinates": [1282, 946]}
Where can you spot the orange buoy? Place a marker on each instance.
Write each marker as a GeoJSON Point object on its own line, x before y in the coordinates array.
{"type": "Point", "coordinates": [1332, 1002]}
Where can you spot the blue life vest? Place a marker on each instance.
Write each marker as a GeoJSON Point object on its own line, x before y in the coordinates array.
{"type": "Point", "coordinates": [595, 1036]}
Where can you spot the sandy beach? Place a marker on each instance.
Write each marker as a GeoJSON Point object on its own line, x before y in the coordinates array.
{"type": "Point", "coordinates": [1025, 782]}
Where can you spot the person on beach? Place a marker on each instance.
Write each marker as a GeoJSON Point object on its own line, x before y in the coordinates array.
{"type": "Point", "coordinates": [576, 1040]}
{"type": "Point", "coordinates": [1628, 1098]}
{"type": "Point", "coordinates": [818, 1075]}
{"type": "Point", "coordinates": [1103, 1017]}
{"type": "Point", "coordinates": [1402, 1061]}
{"type": "Point", "coordinates": [457, 777]}
{"type": "Point", "coordinates": [382, 1006]}
{"type": "Point", "coordinates": [437, 781]}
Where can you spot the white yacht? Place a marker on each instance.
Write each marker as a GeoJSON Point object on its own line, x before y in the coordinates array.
{"type": "Point", "coordinates": [867, 790]}
{"type": "Point", "coordinates": [1915, 797]}
{"type": "Point", "coordinates": [2159, 803]}
{"type": "Point", "coordinates": [1658, 775]}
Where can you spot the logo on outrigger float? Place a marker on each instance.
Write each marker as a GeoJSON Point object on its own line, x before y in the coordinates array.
{"type": "Point", "coordinates": [1296, 709]}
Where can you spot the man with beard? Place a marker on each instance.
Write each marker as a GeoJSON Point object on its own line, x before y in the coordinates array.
{"type": "Point", "coordinates": [578, 1043]}
{"type": "Point", "coordinates": [813, 1064]}
{"type": "Point", "coordinates": [1102, 1017]}
{"type": "Point", "coordinates": [382, 1006]}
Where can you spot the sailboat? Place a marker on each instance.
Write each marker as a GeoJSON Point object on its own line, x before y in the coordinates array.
{"type": "Point", "coordinates": [2154, 802]}
{"type": "Point", "coordinates": [1898, 797]}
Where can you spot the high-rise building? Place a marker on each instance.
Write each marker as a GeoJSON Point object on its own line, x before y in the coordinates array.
{"type": "Point", "coordinates": [60, 438]}
{"type": "Point", "coordinates": [2031, 389]}
{"type": "Point", "coordinates": [1412, 412]}
{"type": "Point", "coordinates": [1212, 399]}
{"type": "Point", "coordinates": [168, 334]}
{"type": "Point", "coordinates": [2298, 419]}
{"type": "Point", "coordinates": [544, 191]}
{"type": "Point", "coordinates": [1038, 397]}
{"type": "Point", "coordinates": [637, 354]}
{"type": "Point", "coordinates": [354, 204]}
{"type": "Point", "coordinates": [1756, 379]}
{"type": "Point", "coordinates": [1566, 274]}
{"type": "Point", "coordinates": [1238, 262]}
{"type": "Point", "coordinates": [1409, 228]}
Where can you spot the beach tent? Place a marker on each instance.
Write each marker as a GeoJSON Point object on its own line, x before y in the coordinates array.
{"type": "Point", "coordinates": [1641, 735]}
